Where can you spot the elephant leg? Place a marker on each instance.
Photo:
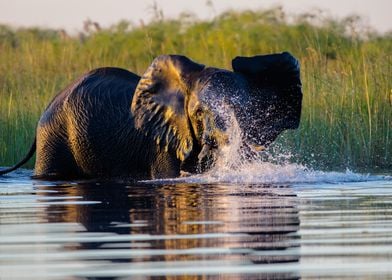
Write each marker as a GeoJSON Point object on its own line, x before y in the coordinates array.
{"type": "Point", "coordinates": [165, 166]}
{"type": "Point", "coordinates": [54, 160]}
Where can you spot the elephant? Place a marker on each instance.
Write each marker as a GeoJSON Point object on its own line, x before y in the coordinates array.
{"type": "Point", "coordinates": [114, 123]}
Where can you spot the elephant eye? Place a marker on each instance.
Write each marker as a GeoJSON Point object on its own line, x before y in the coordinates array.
{"type": "Point", "coordinates": [199, 113]}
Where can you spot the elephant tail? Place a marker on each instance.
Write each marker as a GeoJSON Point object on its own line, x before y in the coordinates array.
{"type": "Point", "coordinates": [23, 161]}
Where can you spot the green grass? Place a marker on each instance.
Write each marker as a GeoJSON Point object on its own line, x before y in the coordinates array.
{"type": "Point", "coordinates": [346, 73]}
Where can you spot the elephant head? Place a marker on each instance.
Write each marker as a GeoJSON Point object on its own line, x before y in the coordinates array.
{"type": "Point", "coordinates": [185, 107]}
{"type": "Point", "coordinates": [167, 107]}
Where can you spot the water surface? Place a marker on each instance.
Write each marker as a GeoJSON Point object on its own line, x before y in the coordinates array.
{"type": "Point", "coordinates": [283, 223]}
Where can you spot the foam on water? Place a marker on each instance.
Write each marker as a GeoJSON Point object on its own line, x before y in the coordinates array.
{"type": "Point", "coordinates": [269, 173]}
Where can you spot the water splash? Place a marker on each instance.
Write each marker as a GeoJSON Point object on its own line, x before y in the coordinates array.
{"type": "Point", "coordinates": [269, 173]}
{"type": "Point", "coordinates": [239, 163]}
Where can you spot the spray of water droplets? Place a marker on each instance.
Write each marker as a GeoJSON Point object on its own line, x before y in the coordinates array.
{"type": "Point", "coordinates": [238, 163]}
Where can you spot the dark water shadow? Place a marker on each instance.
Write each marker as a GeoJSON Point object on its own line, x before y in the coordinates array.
{"type": "Point", "coordinates": [183, 226]}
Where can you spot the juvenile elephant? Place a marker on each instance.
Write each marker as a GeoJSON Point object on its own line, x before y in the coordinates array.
{"type": "Point", "coordinates": [112, 122]}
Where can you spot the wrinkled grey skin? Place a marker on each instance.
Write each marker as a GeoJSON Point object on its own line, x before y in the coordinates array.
{"type": "Point", "coordinates": [112, 123]}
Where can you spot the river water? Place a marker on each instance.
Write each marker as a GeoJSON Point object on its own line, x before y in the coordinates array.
{"type": "Point", "coordinates": [261, 222]}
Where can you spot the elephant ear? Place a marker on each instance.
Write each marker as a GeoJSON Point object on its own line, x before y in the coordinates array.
{"type": "Point", "coordinates": [275, 80]}
{"type": "Point", "coordinates": [274, 69]}
{"type": "Point", "coordinates": [159, 103]}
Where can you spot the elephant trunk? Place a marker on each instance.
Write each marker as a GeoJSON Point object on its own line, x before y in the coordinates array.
{"type": "Point", "coordinates": [208, 144]}
{"type": "Point", "coordinates": [205, 152]}
{"type": "Point", "coordinates": [213, 138]}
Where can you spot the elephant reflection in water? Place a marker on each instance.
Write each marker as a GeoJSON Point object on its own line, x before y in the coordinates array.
{"type": "Point", "coordinates": [258, 221]}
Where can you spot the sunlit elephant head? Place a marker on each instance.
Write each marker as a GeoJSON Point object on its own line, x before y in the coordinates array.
{"type": "Point", "coordinates": [187, 108]}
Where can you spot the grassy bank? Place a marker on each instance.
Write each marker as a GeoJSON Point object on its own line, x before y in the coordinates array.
{"type": "Point", "coordinates": [346, 73]}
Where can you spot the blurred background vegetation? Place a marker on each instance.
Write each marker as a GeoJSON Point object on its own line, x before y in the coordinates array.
{"type": "Point", "coordinates": [346, 73]}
